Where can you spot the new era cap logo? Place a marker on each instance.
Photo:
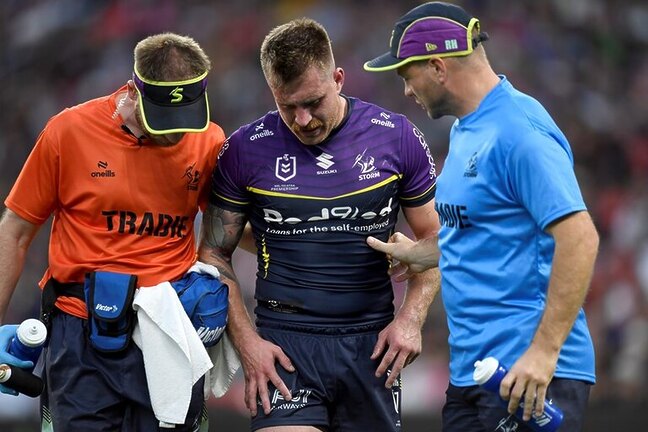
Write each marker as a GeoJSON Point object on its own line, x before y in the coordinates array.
{"type": "Point", "coordinates": [430, 46]}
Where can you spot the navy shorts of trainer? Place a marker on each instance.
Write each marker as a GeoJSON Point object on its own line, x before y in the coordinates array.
{"type": "Point", "coordinates": [474, 409]}
{"type": "Point", "coordinates": [93, 391]}
{"type": "Point", "coordinates": [334, 387]}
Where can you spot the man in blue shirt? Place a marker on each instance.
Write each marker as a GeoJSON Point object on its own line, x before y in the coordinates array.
{"type": "Point", "coordinates": [315, 178]}
{"type": "Point", "coordinates": [516, 247]}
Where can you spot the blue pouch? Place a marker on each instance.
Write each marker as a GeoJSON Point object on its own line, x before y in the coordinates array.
{"type": "Point", "coordinates": [109, 297]}
{"type": "Point", "coordinates": [204, 299]}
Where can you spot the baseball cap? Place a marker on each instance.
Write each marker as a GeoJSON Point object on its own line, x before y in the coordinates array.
{"type": "Point", "coordinates": [173, 106]}
{"type": "Point", "coordinates": [434, 29]}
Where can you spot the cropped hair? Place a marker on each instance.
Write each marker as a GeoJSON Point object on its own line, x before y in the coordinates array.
{"type": "Point", "coordinates": [291, 48]}
{"type": "Point", "coordinates": [170, 57]}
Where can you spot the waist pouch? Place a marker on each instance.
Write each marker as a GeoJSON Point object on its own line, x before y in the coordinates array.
{"type": "Point", "coordinates": [109, 297]}
{"type": "Point", "coordinates": [204, 299]}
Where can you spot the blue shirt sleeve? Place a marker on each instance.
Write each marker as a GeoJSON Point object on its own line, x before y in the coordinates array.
{"type": "Point", "coordinates": [541, 176]}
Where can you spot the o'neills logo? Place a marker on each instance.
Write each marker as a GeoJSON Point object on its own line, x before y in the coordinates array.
{"type": "Point", "coordinates": [263, 133]}
{"type": "Point", "coordinates": [106, 173]}
{"type": "Point", "coordinates": [103, 165]}
{"type": "Point", "coordinates": [386, 123]}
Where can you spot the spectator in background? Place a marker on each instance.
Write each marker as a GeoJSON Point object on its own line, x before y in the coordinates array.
{"type": "Point", "coordinates": [517, 246]}
{"type": "Point", "coordinates": [124, 176]}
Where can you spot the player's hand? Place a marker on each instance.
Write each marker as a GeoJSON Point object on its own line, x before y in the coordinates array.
{"type": "Point", "coordinates": [401, 343]}
{"type": "Point", "coordinates": [7, 333]}
{"type": "Point", "coordinates": [408, 257]}
{"type": "Point", "coordinates": [528, 380]}
{"type": "Point", "coordinates": [259, 358]}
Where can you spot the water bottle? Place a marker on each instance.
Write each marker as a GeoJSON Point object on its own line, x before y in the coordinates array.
{"type": "Point", "coordinates": [29, 340]}
{"type": "Point", "coordinates": [489, 374]}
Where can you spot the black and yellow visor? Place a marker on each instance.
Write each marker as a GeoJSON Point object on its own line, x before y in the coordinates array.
{"type": "Point", "coordinates": [173, 107]}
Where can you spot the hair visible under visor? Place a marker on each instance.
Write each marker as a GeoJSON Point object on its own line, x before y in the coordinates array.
{"type": "Point", "coordinates": [170, 75]}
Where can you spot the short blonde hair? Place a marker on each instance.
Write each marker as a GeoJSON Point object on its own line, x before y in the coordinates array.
{"type": "Point", "coordinates": [291, 48]}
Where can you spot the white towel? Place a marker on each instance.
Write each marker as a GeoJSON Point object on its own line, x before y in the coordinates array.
{"type": "Point", "coordinates": [174, 356]}
{"type": "Point", "coordinates": [223, 355]}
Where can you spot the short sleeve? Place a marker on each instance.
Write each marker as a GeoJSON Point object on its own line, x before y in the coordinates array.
{"type": "Point", "coordinates": [418, 169]}
{"type": "Point", "coordinates": [34, 195]}
{"type": "Point", "coordinates": [541, 175]}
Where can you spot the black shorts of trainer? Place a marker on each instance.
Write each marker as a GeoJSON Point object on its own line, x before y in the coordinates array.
{"type": "Point", "coordinates": [334, 387]}
{"type": "Point", "coordinates": [87, 390]}
{"type": "Point", "coordinates": [473, 409]}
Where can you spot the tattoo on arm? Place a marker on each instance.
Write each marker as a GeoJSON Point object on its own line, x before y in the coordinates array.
{"type": "Point", "coordinates": [221, 233]}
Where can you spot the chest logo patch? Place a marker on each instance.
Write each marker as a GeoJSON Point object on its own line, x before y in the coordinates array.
{"type": "Point", "coordinates": [471, 167]}
{"type": "Point", "coordinates": [286, 167]}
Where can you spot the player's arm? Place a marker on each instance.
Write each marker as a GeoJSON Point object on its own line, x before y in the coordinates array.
{"type": "Point", "coordinates": [576, 247]}
{"type": "Point", "coordinates": [16, 234]}
{"type": "Point", "coordinates": [402, 339]}
{"type": "Point", "coordinates": [221, 232]}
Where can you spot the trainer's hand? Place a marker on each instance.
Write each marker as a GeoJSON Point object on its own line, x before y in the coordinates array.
{"type": "Point", "coordinates": [412, 257]}
{"type": "Point", "coordinates": [7, 333]}
{"type": "Point", "coordinates": [402, 342]}
{"type": "Point", "coordinates": [528, 380]}
{"type": "Point", "coordinates": [259, 358]}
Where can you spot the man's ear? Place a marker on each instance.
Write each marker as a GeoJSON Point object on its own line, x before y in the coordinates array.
{"type": "Point", "coordinates": [438, 68]}
{"type": "Point", "coordinates": [338, 77]}
{"type": "Point", "coordinates": [132, 91]}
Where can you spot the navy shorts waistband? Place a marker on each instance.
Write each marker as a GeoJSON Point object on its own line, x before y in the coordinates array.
{"type": "Point", "coordinates": [324, 330]}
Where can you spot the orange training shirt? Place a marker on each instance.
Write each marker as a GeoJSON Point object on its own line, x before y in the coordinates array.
{"type": "Point", "coordinates": [117, 205]}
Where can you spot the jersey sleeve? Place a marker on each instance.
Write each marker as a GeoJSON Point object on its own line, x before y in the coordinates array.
{"type": "Point", "coordinates": [541, 174]}
{"type": "Point", "coordinates": [34, 195]}
{"type": "Point", "coordinates": [218, 138]}
{"type": "Point", "coordinates": [418, 184]}
{"type": "Point", "coordinates": [228, 182]}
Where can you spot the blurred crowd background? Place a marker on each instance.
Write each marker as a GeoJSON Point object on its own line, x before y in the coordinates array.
{"type": "Point", "coordinates": [585, 60]}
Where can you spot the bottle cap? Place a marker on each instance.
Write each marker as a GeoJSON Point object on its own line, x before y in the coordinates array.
{"type": "Point", "coordinates": [484, 369]}
{"type": "Point", "coordinates": [32, 332]}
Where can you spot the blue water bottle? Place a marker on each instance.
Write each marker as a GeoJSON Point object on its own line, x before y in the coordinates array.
{"type": "Point", "coordinates": [28, 342]}
{"type": "Point", "coordinates": [489, 374]}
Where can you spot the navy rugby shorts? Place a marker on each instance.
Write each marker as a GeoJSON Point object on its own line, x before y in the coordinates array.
{"type": "Point", "coordinates": [91, 391]}
{"type": "Point", "coordinates": [334, 386]}
{"type": "Point", "coordinates": [473, 409]}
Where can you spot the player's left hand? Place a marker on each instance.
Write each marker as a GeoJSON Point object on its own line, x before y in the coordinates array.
{"type": "Point", "coordinates": [528, 380]}
{"type": "Point", "coordinates": [402, 341]}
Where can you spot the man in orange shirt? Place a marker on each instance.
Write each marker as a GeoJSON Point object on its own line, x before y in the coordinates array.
{"type": "Point", "coordinates": [123, 176]}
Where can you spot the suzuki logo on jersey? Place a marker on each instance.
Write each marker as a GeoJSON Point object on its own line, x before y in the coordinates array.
{"type": "Point", "coordinates": [286, 167]}
{"type": "Point", "coordinates": [103, 165]}
{"type": "Point", "coordinates": [342, 212]}
{"type": "Point", "coordinates": [325, 161]}
{"type": "Point", "coordinates": [367, 168]}
{"type": "Point", "coordinates": [157, 225]}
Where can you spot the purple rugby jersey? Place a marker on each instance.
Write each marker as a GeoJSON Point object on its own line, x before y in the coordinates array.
{"type": "Point", "coordinates": [312, 207]}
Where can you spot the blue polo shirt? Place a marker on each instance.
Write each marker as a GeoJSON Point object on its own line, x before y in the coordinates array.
{"type": "Point", "coordinates": [508, 175]}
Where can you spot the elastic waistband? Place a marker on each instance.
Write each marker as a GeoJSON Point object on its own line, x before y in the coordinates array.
{"type": "Point", "coordinates": [320, 330]}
